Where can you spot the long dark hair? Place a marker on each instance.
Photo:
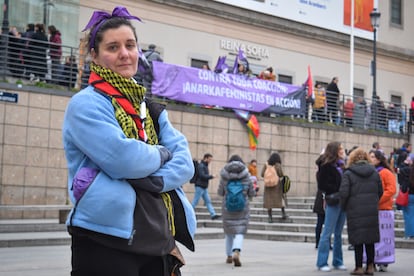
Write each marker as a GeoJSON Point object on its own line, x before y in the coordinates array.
{"type": "Point", "coordinates": [274, 158]}
{"type": "Point", "coordinates": [381, 158]}
{"type": "Point", "coordinates": [52, 29]}
{"type": "Point", "coordinates": [330, 156]}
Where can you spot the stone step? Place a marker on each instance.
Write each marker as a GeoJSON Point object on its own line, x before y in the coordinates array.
{"type": "Point", "coordinates": [299, 227]}
{"type": "Point", "coordinates": [207, 229]}
{"type": "Point", "coordinates": [277, 225]}
{"type": "Point", "coordinates": [294, 217]}
{"type": "Point", "coordinates": [31, 225]}
{"type": "Point", "coordinates": [288, 236]}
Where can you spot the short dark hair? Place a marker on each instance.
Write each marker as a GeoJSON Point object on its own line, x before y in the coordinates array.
{"type": "Point", "coordinates": [207, 155]}
{"type": "Point", "coordinates": [111, 23]}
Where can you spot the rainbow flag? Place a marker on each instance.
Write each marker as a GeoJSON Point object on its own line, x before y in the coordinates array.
{"type": "Point", "coordinates": [253, 128]}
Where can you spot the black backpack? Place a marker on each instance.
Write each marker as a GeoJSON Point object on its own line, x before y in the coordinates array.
{"type": "Point", "coordinates": [193, 180]}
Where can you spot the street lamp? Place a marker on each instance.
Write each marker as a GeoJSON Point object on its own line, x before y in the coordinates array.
{"type": "Point", "coordinates": [375, 16]}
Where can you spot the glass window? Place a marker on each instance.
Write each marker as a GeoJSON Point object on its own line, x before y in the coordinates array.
{"type": "Point", "coordinates": [396, 12]}
{"type": "Point", "coordinates": [198, 63]}
{"type": "Point", "coordinates": [64, 15]}
{"type": "Point", "coordinates": [396, 99]}
{"type": "Point", "coordinates": [284, 78]}
{"type": "Point", "coordinates": [358, 92]}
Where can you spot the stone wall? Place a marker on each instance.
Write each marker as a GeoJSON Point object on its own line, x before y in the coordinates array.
{"type": "Point", "coordinates": [33, 166]}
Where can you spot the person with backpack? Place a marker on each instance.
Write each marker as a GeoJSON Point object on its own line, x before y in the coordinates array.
{"type": "Point", "coordinates": [236, 188]}
{"type": "Point", "coordinates": [273, 196]}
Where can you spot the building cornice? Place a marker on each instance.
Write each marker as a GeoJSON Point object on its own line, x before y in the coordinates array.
{"type": "Point", "coordinates": [264, 21]}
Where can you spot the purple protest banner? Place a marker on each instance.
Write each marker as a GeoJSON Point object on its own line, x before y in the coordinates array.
{"type": "Point", "coordinates": [385, 248]}
{"type": "Point", "coordinates": [198, 86]}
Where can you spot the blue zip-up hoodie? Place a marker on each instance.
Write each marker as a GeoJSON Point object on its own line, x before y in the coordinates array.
{"type": "Point", "coordinates": [92, 138]}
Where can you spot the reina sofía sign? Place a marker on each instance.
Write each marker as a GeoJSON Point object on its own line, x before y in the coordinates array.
{"type": "Point", "coordinates": [249, 49]}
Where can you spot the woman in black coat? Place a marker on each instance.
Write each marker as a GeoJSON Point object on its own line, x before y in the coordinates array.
{"type": "Point", "coordinates": [360, 191]}
{"type": "Point", "coordinates": [329, 175]}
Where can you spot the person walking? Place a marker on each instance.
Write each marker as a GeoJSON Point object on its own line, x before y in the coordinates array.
{"type": "Point", "coordinates": [273, 197]}
{"type": "Point", "coordinates": [125, 174]}
{"type": "Point", "coordinates": [389, 187]}
{"type": "Point", "coordinates": [360, 192]}
{"type": "Point", "coordinates": [235, 222]}
{"type": "Point", "coordinates": [329, 175]}
{"type": "Point", "coordinates": [201, 186]}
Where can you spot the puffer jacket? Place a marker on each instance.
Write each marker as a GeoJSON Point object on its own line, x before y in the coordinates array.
{"type": "Point", "coordinates": [235, 222]}
{"type": "Point", "coordinates": [360, 192]}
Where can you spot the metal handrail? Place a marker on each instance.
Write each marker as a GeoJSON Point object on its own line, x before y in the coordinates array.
{"type": "Point", "coordinates": [30, 60]}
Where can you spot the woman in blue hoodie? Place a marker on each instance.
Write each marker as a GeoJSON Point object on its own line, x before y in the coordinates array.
{"type": "Point", "coordinates": [126, 164]}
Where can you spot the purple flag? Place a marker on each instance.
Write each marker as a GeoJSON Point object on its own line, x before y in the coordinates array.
{"type": "Point", "coordinates": [143, 64]}
{"type": "Point", "coordinates": [221, 66]}
{"type": "Point", "coordinates": [240, 58]}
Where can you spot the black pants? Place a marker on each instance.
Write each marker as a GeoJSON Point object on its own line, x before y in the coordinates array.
{"type": "Point", "coordinates": [318, 228]}
{"type": "Point", "coordinates": [369, 250]}
{"type": "Point", "coordinates": [90, 258]}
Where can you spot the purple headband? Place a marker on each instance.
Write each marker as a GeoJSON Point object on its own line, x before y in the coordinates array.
{"type": "Point", "coordinates": [100, 17]}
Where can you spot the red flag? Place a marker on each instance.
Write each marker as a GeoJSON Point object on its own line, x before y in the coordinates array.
{"type": "Point", "coordinates": [309, 83]}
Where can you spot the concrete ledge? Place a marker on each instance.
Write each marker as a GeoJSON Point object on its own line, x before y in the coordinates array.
{"type": "Point", "coordinates": [34, 207]}
{"type": "Point", "coordinates": [63, 210]}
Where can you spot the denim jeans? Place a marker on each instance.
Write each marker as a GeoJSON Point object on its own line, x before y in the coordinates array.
{"type": "Point", "coordinates": [233, 242]}
{"type": "Point", "coordinates": [408, 213]}
{"type": "Point", "coordinates": [334, 223]}
{"type": "Point", "coordinates": [203, 193]}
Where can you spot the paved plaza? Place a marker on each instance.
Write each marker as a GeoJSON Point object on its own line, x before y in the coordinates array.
{"type": "Point", "coordinates": [259, 258]}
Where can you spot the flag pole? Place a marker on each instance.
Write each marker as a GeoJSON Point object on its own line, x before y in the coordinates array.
{"type": "Point", "coordinates": [351, 61]}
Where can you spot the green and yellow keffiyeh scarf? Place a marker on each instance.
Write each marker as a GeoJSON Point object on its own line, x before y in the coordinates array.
{"type": "Point", "coordinates": [135, 94]}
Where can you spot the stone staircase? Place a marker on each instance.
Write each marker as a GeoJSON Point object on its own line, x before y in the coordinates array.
{"type": "Point", "coordinates": [299, 227]}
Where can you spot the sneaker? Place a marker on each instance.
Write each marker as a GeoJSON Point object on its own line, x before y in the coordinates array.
{"type": "Point", "coordinates": [215, 217]}
{"type": "Point", "coordinates": [382, 268]}
{"type": "Point", "coordinates": [324, 268]}
{"type": "Point", "coordinates": [340, 267]}
{"type": "Point", "coordinates": [229, 260]}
